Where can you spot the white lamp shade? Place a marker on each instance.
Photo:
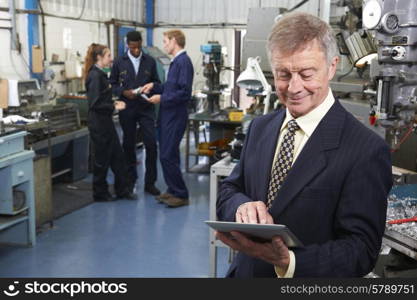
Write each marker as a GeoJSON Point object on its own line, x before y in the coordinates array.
{"type": "Point", "coordinates": [249, 79]}
{"type": "Point", "coordinates": [366, 60]}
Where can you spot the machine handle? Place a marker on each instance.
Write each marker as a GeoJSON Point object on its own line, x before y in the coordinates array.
{"type": "Point", "coordinates": [400, 221]}
{"type": "Point", "coordinates": [20, 174]}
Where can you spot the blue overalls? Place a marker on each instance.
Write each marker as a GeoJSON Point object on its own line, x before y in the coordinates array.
{"type": "Point", "coordinates": [173, 116]}
{"type": "Point", "coordinates": [138, 110]}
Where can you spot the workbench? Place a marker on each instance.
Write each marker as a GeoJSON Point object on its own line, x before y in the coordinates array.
{"type": "Point", "coordinates": [218, 129]}
{"type": "Point", "coordinates": [17, 204]}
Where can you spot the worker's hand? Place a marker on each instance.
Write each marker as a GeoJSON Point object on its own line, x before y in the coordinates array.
{"type": "Point", "coordinates": [274, 252]}
{"type": "Point", "coordinates": [129, 94]}
{"type": "Point", "coordinates": [254, 212]}
{"type": "Point", "coordinates": [147, 88]}
{"type": "Point", "coordinates": [119, 105]}
{"type": "Point", "coordinates": [155, 99]}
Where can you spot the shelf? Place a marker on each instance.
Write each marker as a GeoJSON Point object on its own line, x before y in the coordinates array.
{"type": "Point", "coordinates": [17, 212]}
{"type": "Point", "coordinates": [198, 154]}
{"type": "Point", "coordinates": [199, 168]}
{"type": "Point", "coordinates": [219, 243]}
{"type": "Point", "coordinates": [6, 222]}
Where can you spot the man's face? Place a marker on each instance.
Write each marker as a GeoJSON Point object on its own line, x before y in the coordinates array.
{"type": "Point", "coordinates": [302, 78]}
{"type": "Point", "coordinates": [135, 48]}
{"type": "Point", "coordinates": [169, 45]}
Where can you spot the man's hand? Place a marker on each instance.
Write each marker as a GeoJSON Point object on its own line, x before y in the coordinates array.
{"type": "Point", "coordinates": [254, 213]}
{"type": "Point", "coordinates": [274, 252]}
{"type": "Point", "coordinates": [119, 105]}
{"type": "Point", "coordinates": [147, 88]}
{"type": "Point", "coordinates": [129, 94]}
{"type": "Point", "coordinates": [155, 99]}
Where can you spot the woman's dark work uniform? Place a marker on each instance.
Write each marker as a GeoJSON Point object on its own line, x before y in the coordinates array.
{"type": "Point", "coordinates": [105, 141]}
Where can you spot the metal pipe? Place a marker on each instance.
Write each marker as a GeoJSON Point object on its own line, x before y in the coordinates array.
{"type": "Point", "coordinates": [150, 20]}
{"type": "Point", "coordinates": [43, 29]}
{"type": "Point", "coordinates": [385, 97]}
{"type": "Point", "coordinates": [236, 90]}
{"type": "Point", "coordinates": [12, 12]}
{"type": "Point", "coordinates": [21, 11]}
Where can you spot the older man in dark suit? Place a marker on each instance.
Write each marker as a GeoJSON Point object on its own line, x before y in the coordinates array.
{"type": "Point", "coordinates": [311, 166]}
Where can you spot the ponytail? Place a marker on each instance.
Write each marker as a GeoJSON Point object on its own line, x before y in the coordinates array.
{"type": "Point", "coordinates": [91, 57]}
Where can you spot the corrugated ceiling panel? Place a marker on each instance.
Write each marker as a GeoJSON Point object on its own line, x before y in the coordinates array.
{"type": "Point", "coordinates": [168, 11]}
{"type": "Point", "coordinates": [129, 10]}
{"type": "Point", "coordinates": [218, 11]}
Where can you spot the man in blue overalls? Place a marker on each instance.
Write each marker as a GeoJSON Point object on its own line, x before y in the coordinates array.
{"type": "Point", "coordinates": [173, 95]}
{"type": "Point", "coordinates": [129, 72]}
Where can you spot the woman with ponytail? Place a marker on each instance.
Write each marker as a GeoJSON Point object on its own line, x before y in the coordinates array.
{"type": "Point", "coordinates": [106, 145]}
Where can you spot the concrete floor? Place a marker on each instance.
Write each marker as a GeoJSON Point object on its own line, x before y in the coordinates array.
{"type": "Point", "coordinates": [125, 238]}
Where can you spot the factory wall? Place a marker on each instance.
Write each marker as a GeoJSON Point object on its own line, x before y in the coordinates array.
{"type": "Point", "coordinates": [13, 65]}
{"type": "Point", "coordinates": [219, 11]}
{"type": "Point", "coordinates": [127, 10]}
{"type": "Point", "coordinates": [67, 37]}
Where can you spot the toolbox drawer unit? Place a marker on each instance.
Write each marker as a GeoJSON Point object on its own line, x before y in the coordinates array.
{"type": "Point", "coordinates": [17, 209]}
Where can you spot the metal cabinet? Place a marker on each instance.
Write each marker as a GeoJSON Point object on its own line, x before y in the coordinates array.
{"type": "Point", "coordinates": [17, 209]}
{"type": "Point", "coordinates": [218, 170]}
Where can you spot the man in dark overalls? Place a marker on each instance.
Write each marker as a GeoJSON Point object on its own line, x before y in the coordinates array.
{"type": "Point", "coordinates": [173, 96]}
{"type": "Point", "coordinates": [129, 72]}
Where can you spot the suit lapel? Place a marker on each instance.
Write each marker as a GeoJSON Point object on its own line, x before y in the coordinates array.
{"type": "Point", "coordinates": [312, 159]}
{"type": "Point", "coordinates": [266, 149]}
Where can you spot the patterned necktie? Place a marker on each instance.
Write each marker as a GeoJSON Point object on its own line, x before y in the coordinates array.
{"type": "Point", "coordinates": [283, 162]}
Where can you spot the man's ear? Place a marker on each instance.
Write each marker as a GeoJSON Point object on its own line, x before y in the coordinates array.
{"type": "Point", "coordinates": [333, 66]}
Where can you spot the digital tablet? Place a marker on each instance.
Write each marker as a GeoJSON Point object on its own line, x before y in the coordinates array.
{"type": "Point", "coordinates": [259, 232]}
{"type": "Point", "coordinates": [144, 96]}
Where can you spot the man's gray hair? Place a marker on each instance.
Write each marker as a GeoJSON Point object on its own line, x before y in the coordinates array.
{"type": "Point", "coordinates": [294, 31]}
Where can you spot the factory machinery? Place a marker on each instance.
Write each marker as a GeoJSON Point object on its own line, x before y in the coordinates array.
{"type": "Point", "coordinates": [393, 108]}
{"type": "Point", "coordinates": [379, 38]}
{"type": "Point", "coordinates": [53, 129]}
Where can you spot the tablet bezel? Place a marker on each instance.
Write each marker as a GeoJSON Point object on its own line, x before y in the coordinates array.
{"type": "Point", "coordinates": [263, 232]}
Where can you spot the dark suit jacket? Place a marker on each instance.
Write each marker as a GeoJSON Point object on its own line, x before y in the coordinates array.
{"type": "Point", "coordinates": [99, 92]}
{"type": "Point", "coordinates": [334, 198]}
{"type": "Point", "coordinates": [123, 78]}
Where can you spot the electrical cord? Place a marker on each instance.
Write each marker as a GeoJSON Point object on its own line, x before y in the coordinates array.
{"type": "Point", "coordinates": [298, 5]}
{"type": "Point", "coordinates": [405, 137]}
{"type": "Point", "coordinates": [346, 74]}
{"type": "Point", "coordinates": [58, 16]}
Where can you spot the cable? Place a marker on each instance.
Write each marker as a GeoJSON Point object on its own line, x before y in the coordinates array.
{"type": "Point", "coordinates": [65, 17]}
{"type": "Point", "coordinates": [403, 139]}
{"type": "Point", "coordinates": [191, 25]}
{"type": "Point", "coordinates": [298, 5]}
{"type": "Point", "coordinates": [21, 56]}
{"type": "Point", "coordinates": [82, 11]}
{"type": "Point", "coordinates": [346, 74]}
{"type": "Point", "coordinates": [13, 64]}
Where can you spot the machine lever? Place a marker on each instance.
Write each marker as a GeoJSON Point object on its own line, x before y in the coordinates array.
{"type": "Point", "coordinates": [400, 221]}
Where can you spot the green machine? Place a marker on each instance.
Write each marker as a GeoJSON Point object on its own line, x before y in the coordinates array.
{"type": "Point", "coordinates": [162, 61]}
